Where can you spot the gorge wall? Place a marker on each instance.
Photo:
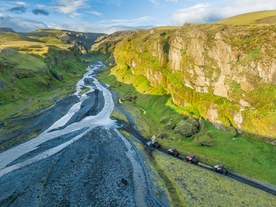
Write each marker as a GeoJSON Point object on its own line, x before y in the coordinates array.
{"type": "Point", "coordinates": [227, 73]}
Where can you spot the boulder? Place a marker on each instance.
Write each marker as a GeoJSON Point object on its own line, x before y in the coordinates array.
{"type": "Point", "coordinates": [185, 128]}
{"type": "Point", "coordinates": [59, 76]}
{"type": "Point", "coordinates": [170, 125]}
{"type": "Point", "coordinates": [192, 121]}
{"type": "Point", "coordinates": [204, 141]}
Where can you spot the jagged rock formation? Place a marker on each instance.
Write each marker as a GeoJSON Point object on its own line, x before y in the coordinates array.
{"type": "Point", "coordinates": [227, 72]}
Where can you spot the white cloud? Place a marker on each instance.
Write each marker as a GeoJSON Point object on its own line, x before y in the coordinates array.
{"type": "Point", "coordinates": [116, 2]}
{"type": "Point", "coordinates": [105, 26]}
{"type": "Point", "coordinates": [128, 22]}
{"type": "Point", "coordinates": [175, 1]}
{"type": "Point", "coordinates": [194, 14]}
{"type": "Point", "coordinates": [94, 28]}
{"type": "Point", "coordinates": [202, 13]}
{"type": "Point", "coordinates": [76, 15]}
{"type": "Point", "coordinates": [160, 3]}
{"type": "Point", "coordinates": [156, 2]}
{"type": "Point", "coordinates": [20, 3]}
{"type": "Point", "coordinates": [19, 25]}
{"type": "Point", "coordinates": [68, 6]}
{"type": "Point", "coordinates": [40, 6]}
{"type": "Point", "coordinates": [95, 13]}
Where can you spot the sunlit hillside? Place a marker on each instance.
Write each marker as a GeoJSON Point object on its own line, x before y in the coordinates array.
{"type": "Point", "coordinates": [261, 17]}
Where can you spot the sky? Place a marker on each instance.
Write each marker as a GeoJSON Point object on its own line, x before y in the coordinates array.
{"type": "Point", "coordinates": [108, 16]}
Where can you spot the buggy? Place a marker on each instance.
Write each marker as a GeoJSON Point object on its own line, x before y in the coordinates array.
{"type": "Point", "coordinates": [192, 159]}
{"type": "Point", "coordinates": [173, 152]}
{"type": "Point", "coordinates": [220, 168]}
{"type": "Point", "coordinates": [154, 144]}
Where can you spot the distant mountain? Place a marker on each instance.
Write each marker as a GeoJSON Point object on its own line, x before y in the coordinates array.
{"type": "Point", "coordinates": [5, 29]}
{"type": "Point", "coordinates": [82, 40]}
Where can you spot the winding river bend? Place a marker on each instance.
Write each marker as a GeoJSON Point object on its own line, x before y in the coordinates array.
{"type": "Point", "coordinates": [80, 160]}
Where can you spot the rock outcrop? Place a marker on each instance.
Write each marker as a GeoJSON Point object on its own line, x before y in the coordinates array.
{"type": "Point", "coordinates": [227, 72]}
{"type": "Point", "coordinates": [185, 128]}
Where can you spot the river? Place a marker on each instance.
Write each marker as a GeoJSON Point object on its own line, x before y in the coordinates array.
{"type": "Point", "coordinates": [80, 160]}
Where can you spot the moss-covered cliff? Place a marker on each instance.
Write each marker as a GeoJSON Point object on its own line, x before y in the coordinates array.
{"type": "Point", "coordinates": [226, 72]}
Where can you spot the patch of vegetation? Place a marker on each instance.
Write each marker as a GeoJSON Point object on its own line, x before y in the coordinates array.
{"type": "Point", "coordinates": [250, 18]}
{"type": "Point", "coordinates": [33, 69]}
{"type": "Point", "coordinates": [236, 85]}
{"type": "Point", "coordinates": [118, 115]}
{"type": "Point", "coordinates": [198, 187]}
{"type": "Point", "coordinates": [201, 188]}
{"type": "Point", "coordinates": [153, 104]}
{"type": "Point", "coordinates": [86, 89]}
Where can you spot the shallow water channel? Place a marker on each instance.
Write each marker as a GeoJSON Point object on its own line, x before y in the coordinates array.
{"type": "Point", "coordinates": [80, 160]}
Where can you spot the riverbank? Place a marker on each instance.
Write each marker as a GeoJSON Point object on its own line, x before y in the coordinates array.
{"type": "Point", "coordinates": [183, 183]}
{"type": "Point", "coordinates": [146, 123]}
{"type": "Point", "coordinates": [79, 159]}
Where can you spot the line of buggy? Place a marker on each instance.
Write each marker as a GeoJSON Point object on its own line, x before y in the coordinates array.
{"type": "Point", "coordinates": [190, 159]}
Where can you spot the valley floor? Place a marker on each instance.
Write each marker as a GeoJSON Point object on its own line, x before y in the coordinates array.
{"type": "Point", "coordinates": [80, 157]}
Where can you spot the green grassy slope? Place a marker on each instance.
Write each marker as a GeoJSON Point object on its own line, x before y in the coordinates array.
{"type": "Point", "coordinates": [105, 45]}
{"type": "Point", "coordinates": [239, 154]}
{"type": "Point", "coordinates": [140, 66]}
{"type": "Point", "coordinates": [57, 36]}
{"type": "Point", "coordinates": [261, 17]}
{"type": "Point", "coordinates": [34, 65]}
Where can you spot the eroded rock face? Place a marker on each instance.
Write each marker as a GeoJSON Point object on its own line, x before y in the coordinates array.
{"type": "Point", "coordinates": [223, 61]}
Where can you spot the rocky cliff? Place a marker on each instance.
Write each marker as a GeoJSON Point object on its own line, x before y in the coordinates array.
{"type": "Point", "coordinates": [228, 73]}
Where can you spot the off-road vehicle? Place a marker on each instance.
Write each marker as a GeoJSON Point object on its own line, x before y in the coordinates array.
{"type": "Point", "coordinates": [173, 152]}
{"type": "Point", "coordinates": [192, 159]}
{"type": "Point", "coordinates": [154, 144]}
{"type": "Point", "coordinates": [220, 168]}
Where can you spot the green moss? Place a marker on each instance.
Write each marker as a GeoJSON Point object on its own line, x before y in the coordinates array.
{"type": "Point", "coordinates": [231, 152]}
{"type": "Point", "coordinates": [117, 114]}
{"type": "Point", "coordinates": [83, 91]}
{"type": "Point", "coordinates": [204, 188]}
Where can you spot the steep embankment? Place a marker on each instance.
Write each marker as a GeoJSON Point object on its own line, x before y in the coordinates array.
{"type": "Point", "coordinates": [39, 66]}
{"type": "Point", "coordinates": [225, 74]}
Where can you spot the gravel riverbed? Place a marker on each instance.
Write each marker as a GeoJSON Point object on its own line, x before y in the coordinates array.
{"type": "Point", "coordinates": [78, 158]}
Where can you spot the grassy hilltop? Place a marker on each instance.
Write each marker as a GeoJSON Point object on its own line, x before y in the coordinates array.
{"type": "Point", "coordinates": [37, 65]}
{"type": "Point", "coordinates": [260, 17]}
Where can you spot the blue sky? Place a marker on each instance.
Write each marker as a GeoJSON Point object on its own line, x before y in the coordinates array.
{"type": "Point", "coordinates": [107, 16]}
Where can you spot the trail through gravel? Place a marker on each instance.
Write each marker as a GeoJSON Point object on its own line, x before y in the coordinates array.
{"type": "Point", "coordinates": [80, 160]}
